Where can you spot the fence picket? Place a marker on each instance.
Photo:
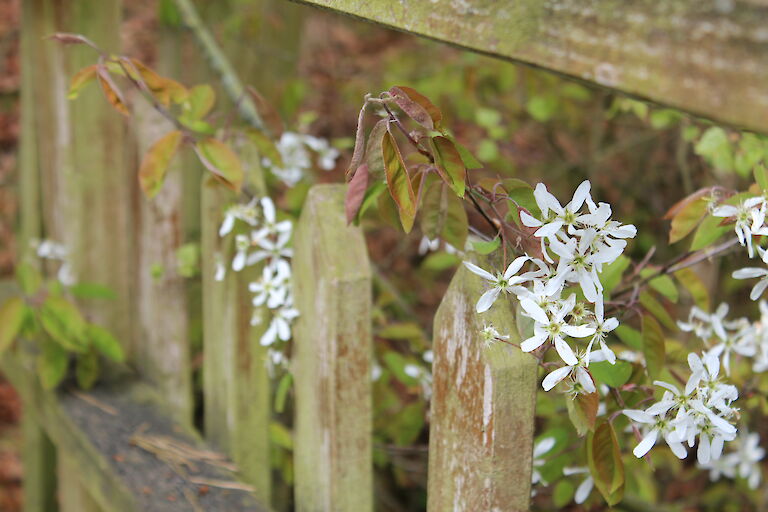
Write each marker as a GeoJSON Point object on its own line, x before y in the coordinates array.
{"type": "Point", "coordinates": [332, 359]}
{"type": "Point", "coordinates": [482, 416]}
{"type": "Point", "coordinates": [236, 389]}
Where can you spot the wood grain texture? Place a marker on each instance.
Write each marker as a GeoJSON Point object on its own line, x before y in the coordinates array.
{"type": "Point", "coordinates": [236, 385]}
{"type": "Point", "coordinates": [162, 346]}
{"type": "Point", "coordinates": [708, 57]}
{"type": "Point", "coordinates": [332, 359]}
{"type": "Point", "coordinates": [482, 415]}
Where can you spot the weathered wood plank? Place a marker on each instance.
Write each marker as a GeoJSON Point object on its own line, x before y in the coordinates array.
{"type": "Point", "coordinates": [73, 496]}
{"type": "Point", "coordinates": [332, 359]}
{"type": "Point", "coordinates": [482, 417]}
{"type": "Point", "coordinates": [88, 183]}
{"type": "Point", "coordinates": [709, 57]}
{"type": "Point", "coordinates": [39, 459]}
{"type": "Point", "coordinates": [236, 388]}
{"type": "Point", "coordinates": [97, 430]}
{"type": "Point", "coordinates": [162, 348]}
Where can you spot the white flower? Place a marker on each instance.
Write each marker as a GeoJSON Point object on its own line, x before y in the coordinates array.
{"type": "Point", "coordinates": [271, 289]}
{"type": "Point", "coordinates": [280, 326]}
{"type": "Point", "coordinates": [585, 488]}
{"type": "Point", "coordinates": [221, 270]}
{"type": "Point", "coordinates": [582, 380]}
{"type": "Point", "coordinates": [501, 282]}
{"type": "Point", "coordinates": [541, 448]}
{"type": "Point", "coordinates": [242, 244]}
{"type": "Point", "coordinates": [553, 214]}
{"type": "Point", "coordinates": [602, 328]}
{"type": "Point", "coordinates": [553, 327]}
{"type": "Point", "coordinates": [490, 335]}
{"type": "Point", "coordinates": [245, 212]}
{"type": "Point", "coordinates": [654, 426]}
{"type": "Point", "coordinates": [753, 272]}
{"type": "Point", "coordinates": [270, 226]}
{"type": "Point", "coordinates": [749, 216]}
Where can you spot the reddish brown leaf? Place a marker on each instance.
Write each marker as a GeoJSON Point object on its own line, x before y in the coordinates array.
{"type": "Point", "coordinates": [155, 164]}
{"type": "Point", "coordinates": [399, 182]}
{"type": "Point", "coordinates": [80, 80]}
{"type": "Point", "coordinates": [675, 209]}
{"type": "Point", "coordinates": [111, 91]}
{"type": "Point", "coordinates": [356, 192]}
{"type": "Point", "coordinates": [417, 106]}
{"type": "Point", "coordinates": [358, 153]}
{"type": "Point", "coordinates": [218, 158]}
{"type": "Point", "coordinates": [449, 160]}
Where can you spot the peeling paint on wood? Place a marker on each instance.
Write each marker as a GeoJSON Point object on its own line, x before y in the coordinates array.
{"type": "Point", "coordinates": [332, 359]}
{"type": "Point", "coordinates": [709, 57]}
{"type": "Point", "coordinates": [482, 416]}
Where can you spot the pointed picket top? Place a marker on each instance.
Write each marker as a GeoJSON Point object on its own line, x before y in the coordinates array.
{"type": "Point", "coordinates": [482, 416]}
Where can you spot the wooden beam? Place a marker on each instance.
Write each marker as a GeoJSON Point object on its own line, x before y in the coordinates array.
{"type": "Point", "coordinates": [708, 57]}
{"type": "Point", "coordinates": [482, 415]}
{"type": "Point", "coordinates": [332, 359]}
{"type": "Point", "coordinates": [97, 433]}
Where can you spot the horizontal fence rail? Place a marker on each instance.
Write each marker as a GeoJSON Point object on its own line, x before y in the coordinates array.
{"type": "Point", "coordinates": [708, 57]}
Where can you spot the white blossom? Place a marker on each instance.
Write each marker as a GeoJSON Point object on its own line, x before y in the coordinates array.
{"type": "Point", "coordinates": [585, 488]}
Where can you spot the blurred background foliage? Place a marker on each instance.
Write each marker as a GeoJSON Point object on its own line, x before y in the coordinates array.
{"type": "Point", "coordinates": [521, 122]}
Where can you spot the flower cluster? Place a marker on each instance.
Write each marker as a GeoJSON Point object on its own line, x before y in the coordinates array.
{"type": "Point", "coordinates": [54, 251]}
{"type": "Point", "coordinates": [749, 221]}
{"type": "Point", "coordinates": [743, 461]}
{"type": "Point", "coordinates": [575, 245]}
{"type": "Point", "coordinates": [267, 242]}
{"type": "Point", "coordinates": [726, 338]}
{"type": "Point", "coordinates": [295, 153]}
{"type": "Point", "coordinates": [703, 409]}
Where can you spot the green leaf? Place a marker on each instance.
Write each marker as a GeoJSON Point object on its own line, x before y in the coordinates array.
{"type": "Point", "coordinates": [522, 195]}
{"type": "Point", "coordinates": [614, 375]}
{"type": "Point", "coordinates": [663, 284]}
{"type": "Point", "coordinates": [80, 80]}
{"type": "Point", "coordinates": [695, 286]}
{"type": "Point", "coordinates": [396, 364]}
{"type": "Point", "coordinates": [370, 198]}
{"type": "Point", "coordinates": [708, 232]}
{"type": "Point", "coordinates": [188, 260]}
{"type": "Point", "coordinates": [656, 308]}
{"type": "Point", "coordinates": [605, 464]}
{"type": "Point", "coordinates": [29, 278]}
{"type": "Point", "coordinates": [12, 315]}
{"type": "Point", "coordinates": [449, 160]}
{"type": "Point", "coordinates": [87, 369]}
{"type": "Point", "coordinates": [563, 493]}
{"type": "Point", "coordinates": [63, 322]}
{"type": "Point", "coordinates": [52, 363]}
{"type": "Point", "coordinates": [219, 159]}
{"type": "Point", "coordinates": [582, 411]}
{"type": "Point", "coordinates": [280, 435]}
{"type": "Point", "coordinates": [443, 216]}
{"type": "Point", "coordinates": [103, 341]}
{"type": "Point", "coordinates": [611, 275]}
{"type": "Point", "coordinates": [630, 337]}
{"type": "Point", "coordinates": [542, 108]}
{"type": "Point", "coordinates": [281, 394]}
{"type": "Point", "coordinates": [761, 176]}
{"type": "Point", "coordinates": [653, 346]}
{"type": "Point", "coordinates": [92, 291]}
{"type": "Point", "coordinates": [687, 218]}
{"type": "Point", "coordinates": [486, 248]}
{"type": "Point", "coordinates": [200, 102]}
{"type": "Point", "coordinates": [470, 162]}
{"type": "Point", "coordinates": [399, 182]}
{"type": "Point", "coordinates": [401, 331]}
{"type": "Point", "coordinates": [716, 148]}
{"type": "Point", "coordinates": [266, 147]}
{"type": "Point", "coordinates": [439, 261]}
{"type": "Point", "coordinates": [155, 164]}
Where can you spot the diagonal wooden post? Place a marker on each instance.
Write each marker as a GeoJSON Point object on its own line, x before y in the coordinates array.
{"type": "Point", "coordinates": [482, 416]}
{"type": "Point", "coordinates": [332, 359]}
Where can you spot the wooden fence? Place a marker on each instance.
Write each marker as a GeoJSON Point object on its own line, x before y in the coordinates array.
{"type": "Point", "coordinates": [129, 444]}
